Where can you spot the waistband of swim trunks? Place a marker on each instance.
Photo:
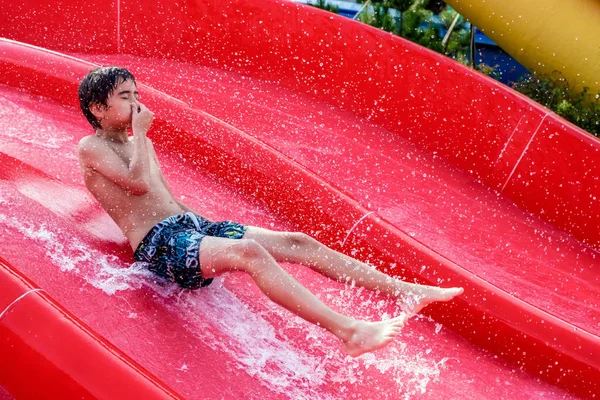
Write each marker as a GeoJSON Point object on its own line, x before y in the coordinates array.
{"type": "Point", "coordinates": [153, 230]}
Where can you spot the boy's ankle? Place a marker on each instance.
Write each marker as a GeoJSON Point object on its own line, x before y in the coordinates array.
{"type": "Point", "coordinates": [345, 331]}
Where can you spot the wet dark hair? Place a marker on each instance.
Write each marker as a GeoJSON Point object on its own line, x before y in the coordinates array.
{"type": "Point", "coordinates": [97, 86]}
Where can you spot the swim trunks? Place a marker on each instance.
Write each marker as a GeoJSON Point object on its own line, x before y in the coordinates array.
{"type": "Point", "coordinates": [172, 247]}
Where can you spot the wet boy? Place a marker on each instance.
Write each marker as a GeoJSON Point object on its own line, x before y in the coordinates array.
{"type": "Point", "coordinates": [123, 174]}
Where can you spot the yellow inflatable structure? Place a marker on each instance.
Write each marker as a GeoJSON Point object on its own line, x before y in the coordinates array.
{"type": "Point", "coordinates": [544, 36]}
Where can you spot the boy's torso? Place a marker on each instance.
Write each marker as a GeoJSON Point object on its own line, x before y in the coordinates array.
{"type": "Point", "coordinates": [135, 215]}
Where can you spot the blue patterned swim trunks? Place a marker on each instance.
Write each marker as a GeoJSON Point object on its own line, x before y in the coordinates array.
{"type": "Point", "coordinates": [172, 247]}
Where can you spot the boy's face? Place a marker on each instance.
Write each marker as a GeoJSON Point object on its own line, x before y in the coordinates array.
{"type": "Point", "coordinates": [118, 113]}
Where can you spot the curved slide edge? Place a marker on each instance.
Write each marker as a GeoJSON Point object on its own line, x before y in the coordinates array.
{"type": "Point", "coordinates": [47, 351]}
{"type": "Point", "coordinates": [474, 122]}
{"type": "Point", "coordinates": [485, 315]}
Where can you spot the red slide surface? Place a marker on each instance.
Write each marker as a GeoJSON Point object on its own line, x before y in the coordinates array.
{"type": "Point", "coordinates": [286, 117]}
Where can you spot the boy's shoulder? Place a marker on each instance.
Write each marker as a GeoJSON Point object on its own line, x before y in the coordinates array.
{"type": "Point", "coordinates": [91, 147]}
{"type": "Point", "coordinates": [87, 141]}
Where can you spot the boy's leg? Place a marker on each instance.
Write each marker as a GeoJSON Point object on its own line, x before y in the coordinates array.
{"type": "Point", "coordinates": [219, 255]}
{"type": "Point", "coordinates": [297, 247]}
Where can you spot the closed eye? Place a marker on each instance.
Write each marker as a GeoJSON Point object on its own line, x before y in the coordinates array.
{"type": "Point", "coordinates": [127, 92]}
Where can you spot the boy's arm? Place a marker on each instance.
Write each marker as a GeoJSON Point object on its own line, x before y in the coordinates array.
{"type": "Point", "coordinates": [135, 177]}
{"type": "Point", "coordinates": [164, 181]}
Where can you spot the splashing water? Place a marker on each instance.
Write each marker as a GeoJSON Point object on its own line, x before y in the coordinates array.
{"type": "Point", "coordinates": [260, 348]}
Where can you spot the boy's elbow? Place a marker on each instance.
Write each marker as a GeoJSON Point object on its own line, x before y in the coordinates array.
{"type": "Point", "coordinates": [138, 192]}
{"type": "Point", "coordinates": [140, 189]}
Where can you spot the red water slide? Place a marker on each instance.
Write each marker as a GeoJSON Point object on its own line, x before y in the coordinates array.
{"type": "Point", "coordinates": [286, 117]}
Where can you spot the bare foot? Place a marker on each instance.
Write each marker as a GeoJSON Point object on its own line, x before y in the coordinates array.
{"type": "Point", "coordinates": [418, 298]}
{"type": "Point", "coordinates": [370, 336]}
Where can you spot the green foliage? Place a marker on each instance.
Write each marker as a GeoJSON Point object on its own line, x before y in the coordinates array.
{"type": "Point", "coordinates": [553, 91]}
{"type": "Point", "coordinates": [447, 17]}
{"type": "Point", "coordinates": [415, 24]}
{"type": "Point", "coordinates": [380, 18]}
{"type": "Point", "coordinates": [400, 5]}
{"type": "Point", "coordinates": [412, 20]}
{"type": "Point", "coordinates": [489, 70]}
{"type": "Point", "coordinates": [459, 41]}
{"type": "Point", "coordinates": [325, 6]}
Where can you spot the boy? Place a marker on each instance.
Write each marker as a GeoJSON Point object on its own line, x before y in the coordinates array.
{"type": "Point", "coordinates": [123, 174]}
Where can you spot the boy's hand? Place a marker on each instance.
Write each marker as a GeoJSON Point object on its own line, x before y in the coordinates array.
{"type": "Point", "coordinates": [141, 118]}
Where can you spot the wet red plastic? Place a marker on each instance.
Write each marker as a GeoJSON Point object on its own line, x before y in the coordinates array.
{"type": "Point", "coordinates": [49, 353]}
{"type": "Point", "coordinates": [499, 137]}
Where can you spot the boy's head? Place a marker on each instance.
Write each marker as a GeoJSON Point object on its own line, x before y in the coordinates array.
{"type": "Point", "coordinates": [105, 97]}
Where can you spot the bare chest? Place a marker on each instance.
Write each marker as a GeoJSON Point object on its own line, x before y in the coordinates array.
{"type": "Point", "coordinates": [124, 151]}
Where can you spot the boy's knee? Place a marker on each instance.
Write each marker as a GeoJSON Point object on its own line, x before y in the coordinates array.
{"type": "Point", "coordinates": [300, 239]}
{"type": "Point", "coordinates": [247, 250]}
{"type": "Point", "coordinates": [254, 259]}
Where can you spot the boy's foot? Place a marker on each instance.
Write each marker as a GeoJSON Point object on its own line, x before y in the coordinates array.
{"type": "Point", "coordinates": [370, 336]}
{"type": "Point", "coordinates": [421, 297]}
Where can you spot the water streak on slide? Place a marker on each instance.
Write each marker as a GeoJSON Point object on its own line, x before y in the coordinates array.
{"type": "Point", "coordinates": [282, 116]}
